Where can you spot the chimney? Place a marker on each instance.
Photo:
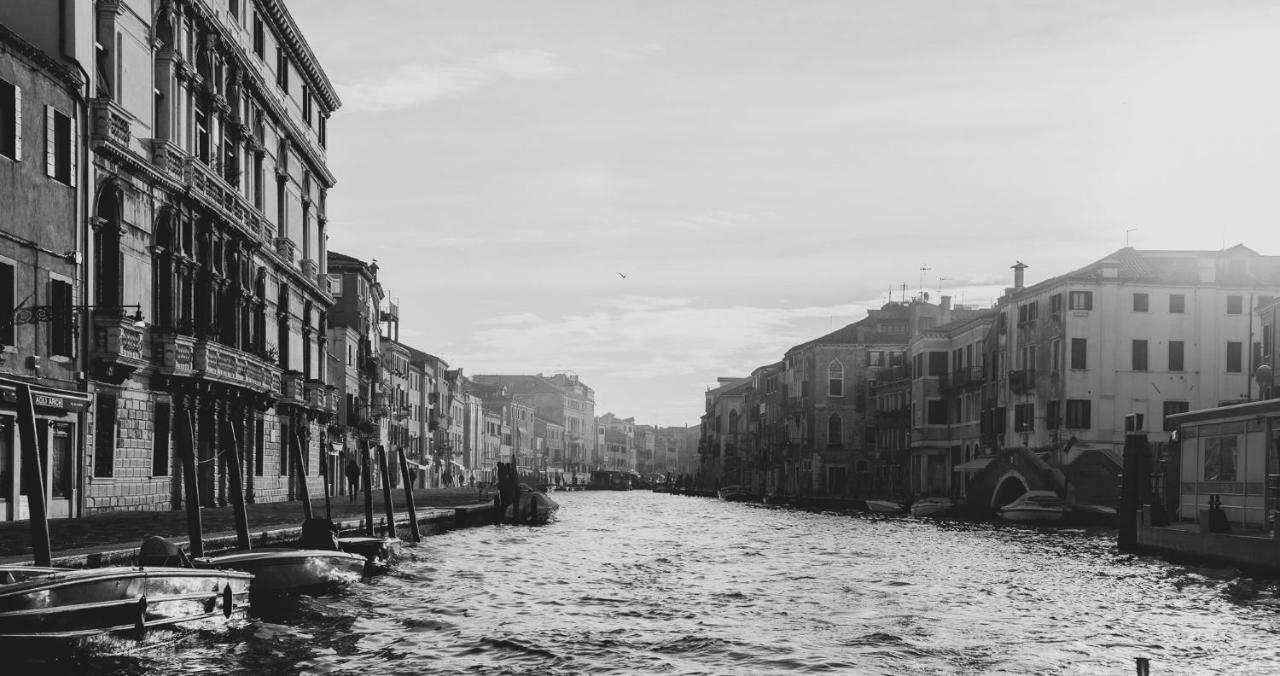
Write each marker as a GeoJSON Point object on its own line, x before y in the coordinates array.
{"type": "Point", "coordinates": [1018, 267]}
{"type": "Point", "coordinates": [946, 303]}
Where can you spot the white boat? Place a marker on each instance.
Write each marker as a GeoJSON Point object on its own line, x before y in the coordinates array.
{"type": "Point", "coordinates": [1035, 506]}
{"type": "Point", "coordinates": [931, 506]}
{"type": "Point", "coordinates": [884, 506]}
{"type": "Point", "coordinates": [46, 603]}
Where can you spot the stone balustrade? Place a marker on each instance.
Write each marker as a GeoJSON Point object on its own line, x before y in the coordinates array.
{"type": "Point", "coordinates": [110, 121]}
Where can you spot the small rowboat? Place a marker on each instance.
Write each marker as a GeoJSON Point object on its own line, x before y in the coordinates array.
{"type": "Point", "coordinates": [931, 506]}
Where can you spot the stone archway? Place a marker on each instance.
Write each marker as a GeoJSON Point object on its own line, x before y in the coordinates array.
{"type": "Point", "coordinates": [1009, 488]}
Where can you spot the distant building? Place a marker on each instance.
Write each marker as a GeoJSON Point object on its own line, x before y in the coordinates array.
{"type": "Point", "coordinates": [562, 399]}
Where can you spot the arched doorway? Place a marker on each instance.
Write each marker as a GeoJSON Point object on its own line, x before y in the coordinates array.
{"type": "Point", "coordinates": [1010, 487]}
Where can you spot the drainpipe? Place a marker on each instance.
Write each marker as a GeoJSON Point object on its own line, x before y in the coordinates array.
{"type": "Point", "coordinates": [78, 261]}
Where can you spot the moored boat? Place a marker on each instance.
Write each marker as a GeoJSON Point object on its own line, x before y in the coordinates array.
{"type": "Point", "coordinates": [931, 506]}
{"type": "Point", "coordinates": [40, 602]}
{"type": "Point", "coordinates": [1035, 507]}
{"type": "Point", "coordinates": [884, 506]}
{"type": "Point", "coordinates": [289, 570]}
{"type": "Point", "coordinates": [531, 506]}
{"type": "Point", "coordinates": [734, 493]}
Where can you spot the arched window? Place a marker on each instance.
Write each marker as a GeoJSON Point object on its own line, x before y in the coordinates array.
{"type": "Point", "coordinates": [259, 341]}
{"type": "Point", "coordinates": [733, 422]}
{"type": "Point", "coordinates": [835, 379]}
{"type": "Point", "coordinates": [162, 268]}
{"type": "Point", "coordinates": [835, 430]}
{"type": "Point", "coordinates": [106, 248]}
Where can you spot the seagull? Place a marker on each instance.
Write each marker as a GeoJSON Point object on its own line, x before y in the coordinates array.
{"type": "Point", "coordinates": [622, 275]}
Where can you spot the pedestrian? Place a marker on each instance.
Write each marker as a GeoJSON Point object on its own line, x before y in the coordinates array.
{"type": "Point", "coordinates": [353, 479]}
{"type": "Point", "coordinates": [448, 479]}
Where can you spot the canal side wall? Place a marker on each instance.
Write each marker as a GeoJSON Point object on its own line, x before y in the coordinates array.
{"type": "Point", "coordinates": [431, 521]}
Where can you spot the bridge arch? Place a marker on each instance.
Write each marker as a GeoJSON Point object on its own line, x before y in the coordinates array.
{"type": "Point", "coordinates": [1009, 488]}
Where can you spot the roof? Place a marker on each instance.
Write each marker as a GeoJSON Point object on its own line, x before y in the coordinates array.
{"type": "Point", "coordinates": [1236, 266]}
{"type": "Point", "coordinates": [529, 384]}
{"type": "Point", "coordinates": [292, 35]}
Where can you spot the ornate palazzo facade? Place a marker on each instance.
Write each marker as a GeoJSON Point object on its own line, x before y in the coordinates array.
{"type": "Point", "coordinates": [207, 143]}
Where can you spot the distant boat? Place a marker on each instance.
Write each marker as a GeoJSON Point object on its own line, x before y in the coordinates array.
{"type": "Point", "coordinates": [46, 603]}
{"type": "Point", "coordinates": [1035, 506]}
{"type": "Point", "coordinates": [931, 506]}
{"type": "Point", "coordinates": [884, 506]}
{"type": "Point", "coordinates": [735, 493]}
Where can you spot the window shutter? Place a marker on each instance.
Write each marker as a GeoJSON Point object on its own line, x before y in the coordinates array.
{"type": "Point", "coordinates": [72, 150]}
{"type": "Point", "coordinates": [50, 144]}
{"type": "Point", "coordinates": [17, 123]}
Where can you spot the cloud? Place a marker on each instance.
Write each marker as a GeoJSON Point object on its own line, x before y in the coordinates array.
{"type": "Point", "coordinates": [517, 319]}
{"type": "Point", "coordinates": [417, 84]}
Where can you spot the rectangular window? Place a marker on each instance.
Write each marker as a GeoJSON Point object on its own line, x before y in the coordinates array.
{"type": "Point", "coordinates": [1139, 355]}
{"type": "Point", "coordinates": [1176, 351]}
{"type": "Point", "coordinates": [160, 440]}
{"type": "Point", "coordinates": [61, 328]}
{"type": "Point", "coordinates": [10, 120]}
{"type": "Point", "coordinates": [1177, 303]}
{"type": "Point", "coordinates": [259, 37]}
{"type": "Point", "coordinates": [1078, 414]}
{"type": "Point", "coordinates": [1220, 459]}
{"type": "Point", "coordinates": [282, 69]}
{"type": "Point", "coordinates": [835, 387]}
{"type": "Point", "coordinates": [1235, 356]}
{"type": "Point", "coordinates": [1024, 417]}
{"type": "Point", "coordinates": [324, 130]}
{"type": "Point", "coordinates": [1079, 353]}
{"type": "Point", "coordinates": [1052, 413]}
{"type": "Point", "coordinates": [306, 105]}
{"type": "Point", "coordinates": [60, 160]}
{"type": "Point", "coordinates": [1173, 408]}
{"type": "Point", "coordinates": [259, 446]}
{"type": "Point", "coordinates": [1141, 302]}
{"type": "Point", "coordinates": [1080, 300]}
{"type": "Point", "coordinates": [936, 412]}
{"type": "Point", "coordinates": [1235, 305]}
{"type": "Point", "coordinates": [7, 302]}
{"type": "Point", "coordinates": [104, 438]}
{"type": "Point", "coordinates": [1055, 303]}
{"type": "Point", "coordinates": [1055, 355]}
{"type": "Point", "coordinates": [233, 6]}
{"type": "Point", "coordinates": [937, 363]}
{"type": "Point", "coordinates": [1028, 312]}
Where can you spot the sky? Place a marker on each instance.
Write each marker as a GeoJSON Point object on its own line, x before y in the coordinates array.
{"type": "Point", "coordinates": [762, 172]}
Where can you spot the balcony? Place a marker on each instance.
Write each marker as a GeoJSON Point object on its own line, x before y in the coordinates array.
{"type": "Point", "coordinates": [224, 364]}
{"type": "Point", "coordinates": [174, 354]}
{"type": "Point", "coordinates": [293, 388]}
{"type": "Point", "coordinates": [168, 158]}
{"type": "Point", "coordinates": [110, 123]}
{"type": "Point", "coordinates": [119, 347]}
{"type": "Point", "coordinates": [316, 394]}
{"type": "Point", "coordinates": [1022, 381]}
{"type": "Point", "coordinates": [964, 377]}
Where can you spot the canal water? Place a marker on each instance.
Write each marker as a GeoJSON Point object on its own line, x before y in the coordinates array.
{"type": "Point", "coordinates": [639, 582]}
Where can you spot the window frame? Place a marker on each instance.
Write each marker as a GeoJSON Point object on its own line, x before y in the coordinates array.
{"type": "Point", "coordinates": [1080, 300]}
{"type": "Point", "coordinates": [1141, 302]}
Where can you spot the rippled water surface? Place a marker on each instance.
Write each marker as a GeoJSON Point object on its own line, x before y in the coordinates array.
{"type": "Point", "coordinates": [649, 583]}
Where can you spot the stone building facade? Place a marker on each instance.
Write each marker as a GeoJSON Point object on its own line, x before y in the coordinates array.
{"type": "Point", "coordinates": [205, 181]}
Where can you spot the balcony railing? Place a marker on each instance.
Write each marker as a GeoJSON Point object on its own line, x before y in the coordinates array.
{"type": "Point", "coordinates": [119, 345]}
{"type": "Point", "coordinates": [965, 376]}
{"type": "Point", "coordinates": [292, 387]}
{"type": "Point", "coordinates": [175, 353]}
{"type": "Point", "coordinates": [110, 122]}
{"type": "Point", "coordinates": [226, 364]}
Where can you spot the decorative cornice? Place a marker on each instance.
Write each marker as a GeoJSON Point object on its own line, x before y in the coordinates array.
{"type": "Point", "coordinates": [67, 75]}
{"type": "Point", "coordinates": [302, 51]}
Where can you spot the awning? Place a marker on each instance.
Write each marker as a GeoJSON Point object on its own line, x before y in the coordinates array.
{"type": "Point", "coordinates": [975, 465]}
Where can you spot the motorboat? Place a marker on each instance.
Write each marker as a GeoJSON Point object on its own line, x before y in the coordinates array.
{"type": "Point", "coordinates": [68, 604]}
{"type": "Point", "coordinates": [1035, 506]}
{"type": "Point", "coordinates": [531, 506]}
{"type": "Point", "coordinates": [931, 506]}
{"type": "Point", "coordinates": [884, 506]}
{"type": "Point", "coordinates": [279, 569]}
{"type": "Point", "coordinates": [734, 493]}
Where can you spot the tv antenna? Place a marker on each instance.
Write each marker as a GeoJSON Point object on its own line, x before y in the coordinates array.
{"type": "Point", "coordinates": [1126, 236]}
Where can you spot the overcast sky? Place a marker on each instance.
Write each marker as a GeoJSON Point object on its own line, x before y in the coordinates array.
{"type": "Point", "coordinates": [762, 172]}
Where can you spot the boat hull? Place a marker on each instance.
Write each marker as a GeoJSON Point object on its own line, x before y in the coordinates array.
{"type": "Point", "coordinates": [884, 507]}
{"type": "Point", "coordinates": [1031, 515]}
{"type": "Point", "coordinates": [931, 507]}
{"type": "Point", "coordinates": [534, 507]}
{"type": "Point", "coordinates": [377, 551]}
{"type": "Point", "coordinates": [289, 570]}
{"type": "Point", "coordinates": [51, 603]}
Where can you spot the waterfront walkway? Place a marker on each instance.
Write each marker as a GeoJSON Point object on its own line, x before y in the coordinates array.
{"type": "Point", "coordinates": [82, 537]}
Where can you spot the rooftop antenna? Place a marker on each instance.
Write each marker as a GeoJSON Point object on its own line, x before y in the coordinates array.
{"type": "Point", "coordinates": [940, 281]}
{"type": "Point", "coordinates": [923, 269]}
{"type": "Point", "coordinates": [1126, 236]}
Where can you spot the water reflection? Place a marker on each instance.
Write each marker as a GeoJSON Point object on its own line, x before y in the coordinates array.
{"type": "Point", "coordinates": [640, 583]}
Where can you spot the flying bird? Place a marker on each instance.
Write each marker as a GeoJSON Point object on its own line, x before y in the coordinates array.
{"type": "Point", "coordinates": [622, 275]}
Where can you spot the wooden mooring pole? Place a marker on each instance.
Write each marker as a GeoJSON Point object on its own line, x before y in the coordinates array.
{"type": "Point", "coordinates": [386, 492]}
{"type": "Point", "coordinates": [33, 476]}
{"type": "Point", "coordinates": [408, 497]}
